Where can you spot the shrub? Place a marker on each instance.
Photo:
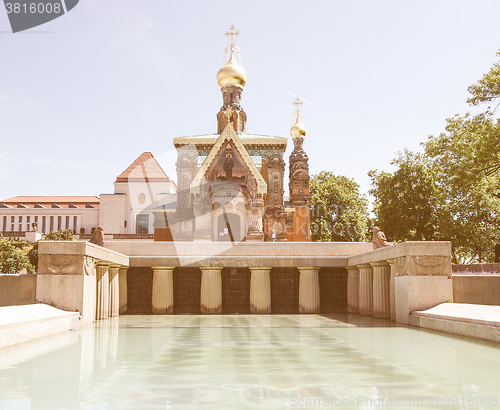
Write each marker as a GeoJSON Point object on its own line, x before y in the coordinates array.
{"type": "Point", "coordinates": [14, 256]}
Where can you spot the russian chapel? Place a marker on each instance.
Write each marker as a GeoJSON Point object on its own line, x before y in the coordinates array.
{"type": "Point", "coordinates": [230, 185]}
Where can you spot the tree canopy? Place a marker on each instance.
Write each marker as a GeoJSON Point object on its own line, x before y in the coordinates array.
{"type": "Point", "coordinates": [406, 201]}
{"type": "Point", "coordinates": [338, 211]}
{"type": "Point", "coordinates": [452, 190]}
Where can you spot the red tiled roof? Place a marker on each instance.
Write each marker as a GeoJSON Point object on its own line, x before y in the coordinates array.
{"type": "Point", "coordinates": [144, 169]}
{"type": "Point", "coordinates": [47, 201]}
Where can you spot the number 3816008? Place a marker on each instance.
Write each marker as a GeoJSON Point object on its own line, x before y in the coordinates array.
{"type": "Point", "coordinates": [33, 8]}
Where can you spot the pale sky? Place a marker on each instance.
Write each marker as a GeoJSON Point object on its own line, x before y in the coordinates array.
{"type": "Point", "coordinates": [84, 95]}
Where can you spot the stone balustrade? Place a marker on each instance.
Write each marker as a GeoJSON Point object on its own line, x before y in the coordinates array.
{"type": "Point", "coordinates": [394, 281]}
{"type": "Point", "coordinates": [83, 277]}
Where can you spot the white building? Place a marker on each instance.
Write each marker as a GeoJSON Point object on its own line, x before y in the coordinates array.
{"type": "Point", "coordinates": [129, 211]}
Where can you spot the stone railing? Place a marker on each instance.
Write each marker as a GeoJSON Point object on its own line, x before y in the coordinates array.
{"type": "Point", "coordinates": [133, 236]}
{"type": "Point", "coordinates": [80, 276]}
{"type": "Point", "coordinates": [13, 234]}
{"type": "Point", "coordinates": [394, 281]}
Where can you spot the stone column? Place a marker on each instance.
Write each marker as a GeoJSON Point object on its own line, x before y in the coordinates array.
{"type": "Point", "coordinates": [365, 289]}
{"type": "Point", "coordinates": [211, 290]}
{"type": "Point", "coordinates": [122, 272]}
{"type": "Point", "coordinates": [392, 289]}
{"type": "Point", "coordinates": [381, 298]}
{"type": "Point", "coordinates": [163, 290]}
{"type": "Point", "coordinates": [352, 289]}
{"type": "Point", "coordinates": [260, 290]}
{"type": "Point", "coordinates": [309, 290]}
{"type": "Point", "coordinates": [114, 291]}
{"type": "Point", "coordinates": [102, 293]}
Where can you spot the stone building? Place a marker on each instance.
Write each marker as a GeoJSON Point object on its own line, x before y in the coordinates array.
{"type": "Point", "coordinates": [126, 213]}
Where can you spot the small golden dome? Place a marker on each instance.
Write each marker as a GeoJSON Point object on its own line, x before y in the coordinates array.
{"type": "Point", "coordinates": [232, 74]}
{"type": "Point", "coordinates": [298, 130]}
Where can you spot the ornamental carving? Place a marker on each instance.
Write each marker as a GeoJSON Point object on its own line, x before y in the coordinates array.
{"type": "Point", "coordinates": [89, 265]}
{"type": "Point", "coordinates": [430, 265]}
{"type": "Point", "coordinates": [61, 264]}
{"type": "Point", "coordinates": [401, 266]}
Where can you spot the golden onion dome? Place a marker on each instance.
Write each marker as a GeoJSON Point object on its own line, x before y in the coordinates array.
{"type": "Point", "coordinates": [298, 129]}
{"type": "Point", "coordinates": [232, 74]}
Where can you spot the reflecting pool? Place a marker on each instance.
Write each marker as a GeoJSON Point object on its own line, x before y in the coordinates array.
{"type": "Point", "coordinates": [250, 362]}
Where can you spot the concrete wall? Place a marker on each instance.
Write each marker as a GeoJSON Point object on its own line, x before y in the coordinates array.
{"type": "Point", "coordinates": [113, 213]}
{"type": "Point", "coordinates": [480, 290]}
{"type": "Point", "coordinates": [17, 289]}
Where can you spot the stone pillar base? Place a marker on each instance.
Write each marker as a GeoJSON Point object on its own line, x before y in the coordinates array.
{"type": "Point", "coordinates": [365, 289]}
{"type": "Point", "coordinates": [211, 290]}
{"type": "Point", "coordinates": [260, 290]}
{"type": "Point", "coordinates": [163, 290]}
{"type": "Point", "coordinates": [309, 301]}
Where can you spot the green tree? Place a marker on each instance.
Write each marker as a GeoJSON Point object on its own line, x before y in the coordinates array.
{"type": "Point", "coordinates": [407, 201]}
{"type": "Point", "coordinates": [13, 256]}
{"type": "Point", "coordinates": [487, 89]}
{"type": "Point", "coordinates": [468, 157]}
{"type": "Point", "coordinates": [338, 211]}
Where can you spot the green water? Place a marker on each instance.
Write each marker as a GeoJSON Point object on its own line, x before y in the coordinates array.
{"type": "Point", "coordinates": [250, 362]}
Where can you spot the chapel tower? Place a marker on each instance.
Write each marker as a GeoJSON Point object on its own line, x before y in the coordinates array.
{"type": "Point", "coordinates": [299, 168]}
{"type": "Point", "coordinates": [232, 78]}
{"type": "Point", "coordinates": [298, 215]}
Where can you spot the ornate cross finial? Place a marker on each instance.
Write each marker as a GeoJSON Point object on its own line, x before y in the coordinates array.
{"type": "Point", "coordinates": [298, 109]}
{"type": "Point", "coordinates": [232, 46]}
{"type": "Point", "coordinates": [232, 33]}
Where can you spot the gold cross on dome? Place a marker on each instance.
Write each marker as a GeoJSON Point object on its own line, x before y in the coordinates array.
{"type": "Point", "coordinates": [232, 33]}
{"type": "Point", "coordinates": [298, 107]}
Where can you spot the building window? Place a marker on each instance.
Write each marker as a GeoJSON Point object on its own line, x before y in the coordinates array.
{"type": "Point", "coordinates": [28, 219]}
{"type": "Point", "coordinates": [67, 222]}
{"type": "Point", "coordinates": [75, 224]}
{"type": "Point", "coordinates": [20, 223]}
{"type": "Point", "coordinates": [51, 224]}
{"type": "Point", "coordinates": [44, 224]}
{"type": "Point", "coordinates": [142, 224]}
{"type": "Point", "coordinates": [12, 222]}
{"type": "Point", "coordinates": [59, 223]}
{"type": "Point", "coordinates": [4, 223]}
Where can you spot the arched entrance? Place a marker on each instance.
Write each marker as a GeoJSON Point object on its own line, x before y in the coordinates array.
{"type": "Point", "coordinates": [229, 227]}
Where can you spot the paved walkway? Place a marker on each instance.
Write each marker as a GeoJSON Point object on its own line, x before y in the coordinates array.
{"type": "Point", "coordinates": [26, 313]}
{"type": "Point", "coordinates": [23, 323]}
{"type": "Point", "coordinates": [479, 321]}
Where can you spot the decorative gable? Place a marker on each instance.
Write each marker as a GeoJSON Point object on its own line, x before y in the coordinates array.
{"type": "Point", "coordinates": [228, 137]}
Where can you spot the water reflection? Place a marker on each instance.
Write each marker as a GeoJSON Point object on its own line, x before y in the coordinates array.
{"type": "Point", "coordinates": [266, 362]}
